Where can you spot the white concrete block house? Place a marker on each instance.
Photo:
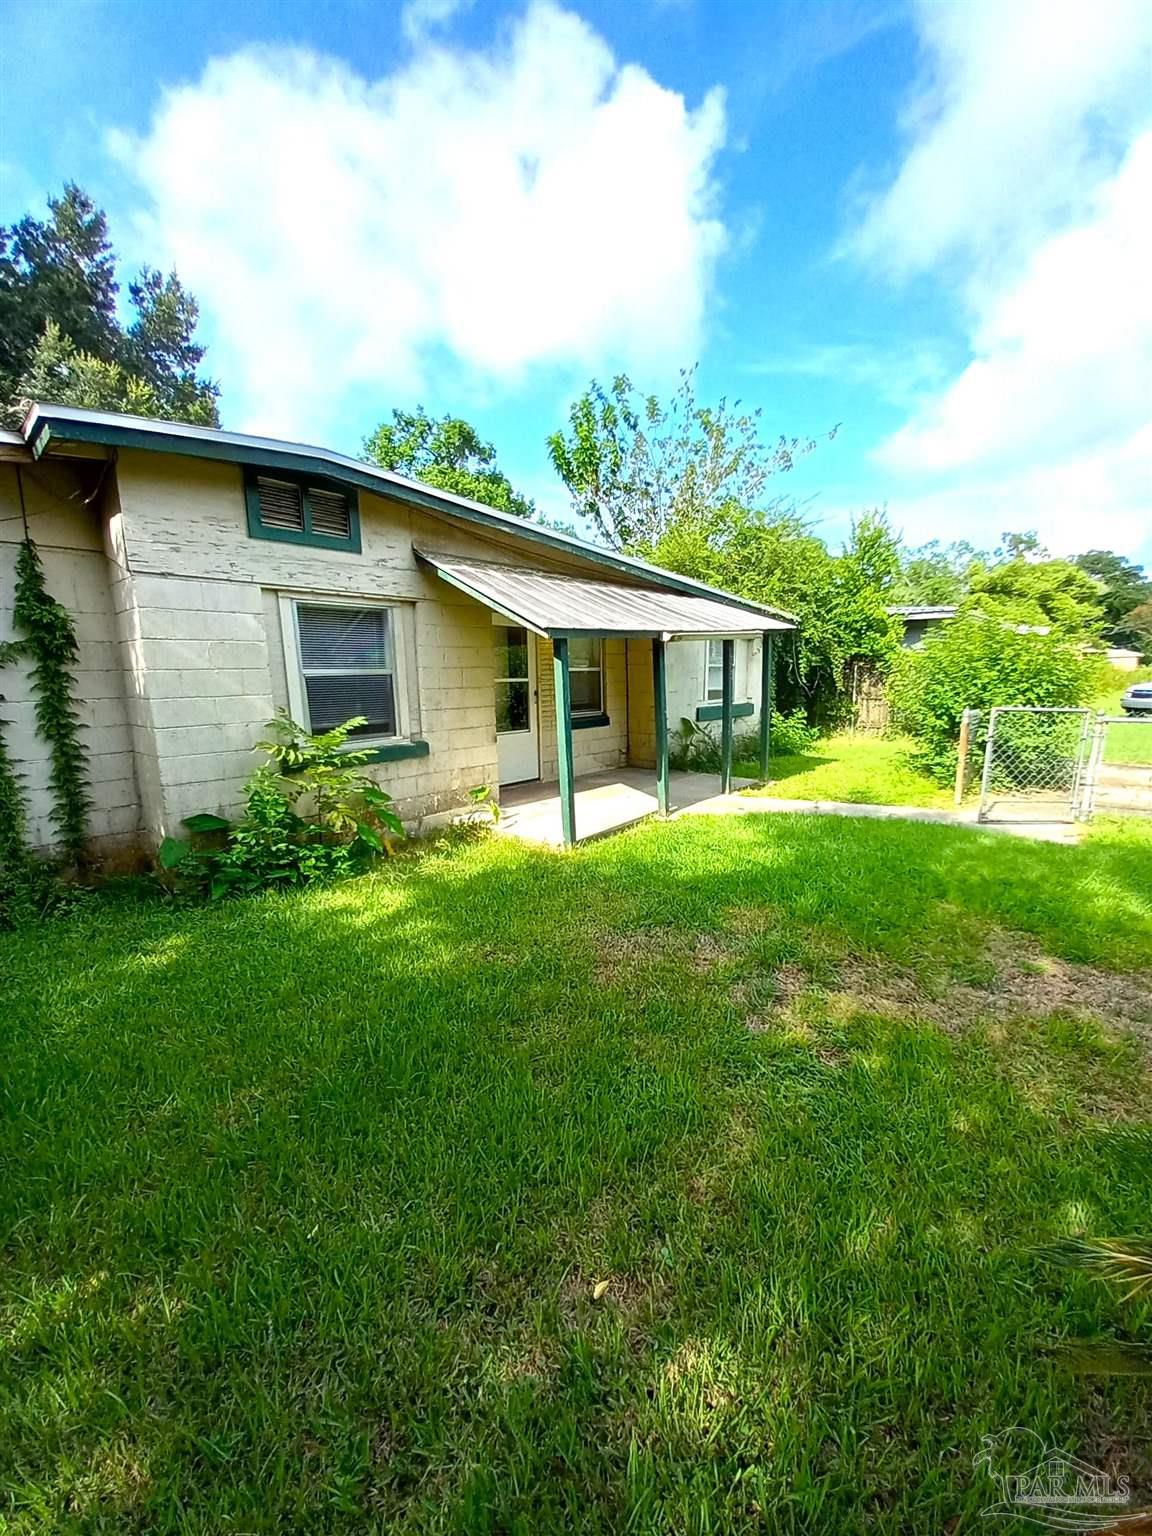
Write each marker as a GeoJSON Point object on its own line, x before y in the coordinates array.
{"type": "Point", "coordinates": [214, 577]}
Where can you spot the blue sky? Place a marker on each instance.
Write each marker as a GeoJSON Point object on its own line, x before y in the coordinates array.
{"type": "Point", "coordinates": [926, 221]}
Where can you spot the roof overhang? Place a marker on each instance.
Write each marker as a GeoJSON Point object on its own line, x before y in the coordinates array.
{"type": "Point", "coordinates": [46, 425]}
{"type": "Point", "coordinates": [559, 606]}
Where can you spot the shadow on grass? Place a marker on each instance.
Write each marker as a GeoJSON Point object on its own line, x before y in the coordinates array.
{"type": "Point", "coordinates": [312, 1195]}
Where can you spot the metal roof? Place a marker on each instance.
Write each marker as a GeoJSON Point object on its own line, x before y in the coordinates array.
{"type": "Point", "coordinates": [554, 604]}
{"type": "Point", "coordinates": [68, 423]}
{"type": "Point", "coordinates": [922, 611]}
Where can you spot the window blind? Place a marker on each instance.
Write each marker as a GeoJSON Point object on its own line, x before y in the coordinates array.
{"type": "Point", "coordinates": [346, 659]}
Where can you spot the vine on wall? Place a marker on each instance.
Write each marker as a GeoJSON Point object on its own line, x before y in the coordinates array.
{"type": "Point", "coordinates": [17, 876]}
{"type": "Point", "coordinates": [47, 638]}
{"type": "Point", "coordinates": [13, 848]}
{"type": "Point", "coordinates": [49, 643]}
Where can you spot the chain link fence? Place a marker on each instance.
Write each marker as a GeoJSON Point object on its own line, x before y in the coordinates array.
{"type": "Point", "coordinates": [1118, 777]}
{"type": "Point", "coordinates": [1034, 766]}
{"type": "Point", "coordinates": [1037, 763]}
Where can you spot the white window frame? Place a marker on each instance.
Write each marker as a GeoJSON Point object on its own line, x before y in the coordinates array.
{"type": "Point", "coordinates": [598, 642]}
{"type": "Point", "coordinates": [294, 663]}
{"type": "Point", "coordinates": [709, 666]}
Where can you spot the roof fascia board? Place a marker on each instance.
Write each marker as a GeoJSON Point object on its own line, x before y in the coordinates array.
{"type": "Point", "coordinates": [39, 431]}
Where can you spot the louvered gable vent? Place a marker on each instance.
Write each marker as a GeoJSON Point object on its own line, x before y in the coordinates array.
{"type": "Point", "coordinates": [281, 504]}
{"type": "Point", "coordinates": [329, 513]}
{"type": "Point", "coordinates": [291, 510]}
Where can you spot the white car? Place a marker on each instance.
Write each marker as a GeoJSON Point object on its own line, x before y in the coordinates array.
{"type": "Point", "coordinates": [1137, 700]}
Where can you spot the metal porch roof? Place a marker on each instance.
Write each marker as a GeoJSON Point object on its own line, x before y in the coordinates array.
{"type": "Point", "coordinates": [554, 604]}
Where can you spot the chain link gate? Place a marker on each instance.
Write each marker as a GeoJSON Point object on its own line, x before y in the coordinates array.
{"type": "Point", "coordinates": [1035, 763]}
{"type": "Point", "coordinates": [1118, 777]}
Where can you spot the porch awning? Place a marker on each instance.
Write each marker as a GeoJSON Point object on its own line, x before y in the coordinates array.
{"type": "Point", "coordinates": [556, 605]}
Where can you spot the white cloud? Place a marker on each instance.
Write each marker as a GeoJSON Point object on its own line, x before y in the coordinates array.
{"type": "Point", "coordinates": [483, 212]}
{"type": "Point", "coordinates": [897, 376]}
{"type": "Point", "coordinates": [1021, 106]}
{"type": "Point", "coordinates": [1027, 188]}
{"type": "Point", "coordinates": [421, 16]}
{"type": "Point", "coordinates": [1063, 354]}
{"type": "Point", "coordinates": [1088, 501]}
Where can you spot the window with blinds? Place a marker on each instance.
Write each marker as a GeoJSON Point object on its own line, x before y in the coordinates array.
{"type": "Point", "coordinates": [282, 507]}
{"type": "Point", "coordinates": [347, 664]}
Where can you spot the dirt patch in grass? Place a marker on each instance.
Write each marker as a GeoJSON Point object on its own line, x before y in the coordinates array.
{"type": "Point", "coordinates": [620, 956]}
{"type": "Point", "coordinates": [1023, 983]}
{"type": "Point", "coordinates": [1110, 1445]}
{"type": "Point", "coordinates": [635, 1300]}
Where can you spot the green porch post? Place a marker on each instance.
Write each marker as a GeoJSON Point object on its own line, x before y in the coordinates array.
{"type": "Point", "coordinates": [565, 771]}
{"type": "Point", "coordinates": [767, 683]}
{"type": "Point", "coordinates": [726, 695]}
{"type": "Point", "coordinates": [660, 692]}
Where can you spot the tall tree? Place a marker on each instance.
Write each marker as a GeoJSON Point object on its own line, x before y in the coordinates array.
{"type": "Point", "coordinates": [636, 466]}
{"type": "Point", "coordinates": [935, 573]}
{"type": "Point", "coordinates": [1138, 628]}
{"type": "Point", "coordinates": [448, 453]}
{"type": "Point", "coordinates": [1124, 590]}
{"type": "Point", "coordinates": [61, 338]}
{"type": "Point", "coordinates": [1054, 594]}
{"type": "Point", "coordinates": [774, 557]}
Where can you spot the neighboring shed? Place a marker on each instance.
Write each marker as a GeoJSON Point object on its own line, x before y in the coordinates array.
{"type": "Point", "coordinates": [919, 619]}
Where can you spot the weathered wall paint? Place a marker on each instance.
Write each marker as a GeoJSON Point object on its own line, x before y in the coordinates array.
{"type": "Point", "coordinates": [68, 535]}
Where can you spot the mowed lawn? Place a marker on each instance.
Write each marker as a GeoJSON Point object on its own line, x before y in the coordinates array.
{"type": "Point", "coordinates": [855, 767]}
{"type": "Point", "coordinates": [687, 1183]}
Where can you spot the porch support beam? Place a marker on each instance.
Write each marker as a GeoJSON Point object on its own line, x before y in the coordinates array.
{"type": "Point", "coordinates": [767, 684]}
{"type": "Point", "coordinates": [660, 694]}
{"type": "Point", "coordinates": [726, 699]}
{"type": "Point", "coordinates": [564, 766]}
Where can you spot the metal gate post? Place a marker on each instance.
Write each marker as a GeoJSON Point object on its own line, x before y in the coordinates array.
{"type": "Point", "coordinates": [962, 747]}
{"type": "Point", "coordinates": [986, 776]}
{"type": "Point", "coordinates": [1083, 748]}
{"type": "Point", "coordinates": [1095, 756]}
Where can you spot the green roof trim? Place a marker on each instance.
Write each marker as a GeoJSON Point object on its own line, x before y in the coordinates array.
{"type": "Point", "coordinates": [47, 423]}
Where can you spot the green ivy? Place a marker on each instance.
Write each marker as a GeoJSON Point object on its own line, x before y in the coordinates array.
{"type": "Point", "coordinates": [25, 887]}
{"type": "Point", "coordinates": [13, 824]}
{"type": "Point", "coordinates": [49, 642]}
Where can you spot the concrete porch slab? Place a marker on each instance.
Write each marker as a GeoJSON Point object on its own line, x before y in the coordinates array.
{"type": "Point", "coordinates": [605, 802]}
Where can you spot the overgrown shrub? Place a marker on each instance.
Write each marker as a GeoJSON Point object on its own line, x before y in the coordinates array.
{"type": "Point", "coordinates": [310, 815]}
{"type": "Point", "coordinates": [974, 663]}
{"type": "Point", "coordinates": [696, 748]}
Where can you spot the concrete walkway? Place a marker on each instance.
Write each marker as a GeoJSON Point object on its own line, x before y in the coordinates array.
{"type": "Point", "coordinates": [757, 805]}
{"type": "Point", "coordinates": [617, 798]}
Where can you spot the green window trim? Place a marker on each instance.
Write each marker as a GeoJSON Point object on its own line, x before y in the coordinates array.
{"type": "Point", "coordinates": [586, 722]}
{"type": "Point", "coordinates": [386, 752]}
{"type": "Point", "coordinates": [393, 751]}
{"type": "Point", "coordinates": [716, 711]}
{"type": "Point", "coordinates": [258, 530]}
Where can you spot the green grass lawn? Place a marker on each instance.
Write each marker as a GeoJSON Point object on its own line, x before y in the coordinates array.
{"type": "Point", "coordinates": [863, 769]}
{"type": "Point", "coordinates": [308, 1200]}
